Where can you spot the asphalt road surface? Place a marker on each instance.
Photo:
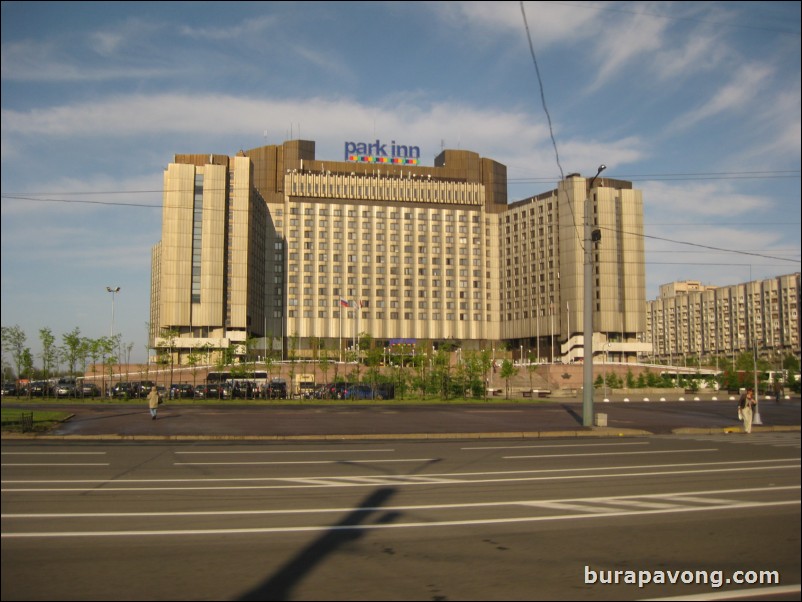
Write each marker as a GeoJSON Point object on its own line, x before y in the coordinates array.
{"type": "Point", "coordinates": [564, 518]}
{"type": "Point", "coordinates": [387, 419]}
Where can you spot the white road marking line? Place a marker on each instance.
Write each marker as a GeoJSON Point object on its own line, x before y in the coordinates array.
{"type": "Point", "coordinates": [432, 475]}
{"type": "Point", "coordinates": [55, 464]}
{"type": "Point", "coordinates": [342, 481]}
{"type": "Point", "coordinates": [693, 495]}
{"type": "Point", "coordinates": [616, 443]}
{"type": "Point", "coordinates": [370, 527]}
{"type": "Point", "coordinates": [667, 451]}
{"type": "Point", "coordinates": [53, 453]}
{"type": "Point", "coordinates": [302, 462]}
{"type": "Point", "coordinates": [289, 451]}
{"type": "Point", "coordinates": [758, 592]}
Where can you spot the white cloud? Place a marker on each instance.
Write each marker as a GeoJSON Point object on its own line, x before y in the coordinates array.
{"type": "Point", "coordinates": [698, 53]}
{"type": "Point", "coordinates": [252, 26]}
{"type": "Point", "coordinates": [83, 197]}
{"type": "Point", "coordinates": [743, 87]}
{"type": "Point", "coordinates": [632, 38]}
{"type": "Point", "coordinates": [695, 199]}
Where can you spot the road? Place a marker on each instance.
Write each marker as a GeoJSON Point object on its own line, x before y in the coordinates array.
{"type": "Point", "coordinates": [386, 419]}
{"type": "Point", "coordinates": [415, 520]}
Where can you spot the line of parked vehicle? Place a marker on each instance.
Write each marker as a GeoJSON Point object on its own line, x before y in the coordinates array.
{"type": "Point", "coordinates": [239, 389]}
{"type": "Point", "coordinates": [64, 387]}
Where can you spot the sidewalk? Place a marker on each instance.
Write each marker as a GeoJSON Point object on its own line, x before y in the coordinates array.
{"type": "Point", "coordinates": [312, 422]}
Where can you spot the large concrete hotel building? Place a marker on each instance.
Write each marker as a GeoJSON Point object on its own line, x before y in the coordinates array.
{"type": "Point", "coordinates": [276, 245]}
{"type": "Point", "coordinates": [690, 319]}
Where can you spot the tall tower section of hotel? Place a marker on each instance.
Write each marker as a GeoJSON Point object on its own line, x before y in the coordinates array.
{"type": "Point", "coordinates": [542, 274]}
{"type": "Point", "coordinates": [411, 250]}
{"type": "Point", "coordinates": [207, 284]}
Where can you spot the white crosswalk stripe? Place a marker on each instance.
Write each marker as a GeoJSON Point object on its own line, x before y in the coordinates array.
{"type": "Point", "coordinates": [781, 439]}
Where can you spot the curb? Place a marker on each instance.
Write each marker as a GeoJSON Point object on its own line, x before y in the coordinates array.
{"type": "Point", "coordinates": [735, 429]}
{"type": "Point", "coordinates": [523, 435]}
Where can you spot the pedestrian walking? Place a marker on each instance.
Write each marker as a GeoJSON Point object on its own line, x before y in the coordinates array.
{"type": "Point", "coordinates": [154, 400]}
{"type": "Point", "coordinates": [746, 405]}
{"type": "Point", "coordinates": [778, 391]}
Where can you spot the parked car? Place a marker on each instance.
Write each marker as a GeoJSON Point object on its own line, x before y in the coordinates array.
{"type": "Point", "coordinates": [66, 390]}
{"type": "Point", "coordinates": [332, 391]}
{"type": "Point", "coordinates": [90, 390]}
{"type": "Point", "coordinates": [275, 389]}
{"type": "Point", "coordinates": [245, 389]}
{"type": "Point", "coordinates": [363, 391]}
{"type": "Point", "coordinates": [182, 391]}
{"type": "Point", "coordinates": [9, 389]}
{"type": "Point", "coordinates": [141, 388]}
{"type": "Point", "coordinates": [122, 390]}
{"type": "Point", "coordinates": [358, 392]}
{"type": "Point", "coordinates": [38, 388]}
{"type": "Point", "coordinates": [216, 391]}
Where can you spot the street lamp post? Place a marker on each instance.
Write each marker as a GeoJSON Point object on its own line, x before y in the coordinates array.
{"type": "Point", "coordinates": [587, 309]}
{"type": "Point", "coordinates": [113, 291]}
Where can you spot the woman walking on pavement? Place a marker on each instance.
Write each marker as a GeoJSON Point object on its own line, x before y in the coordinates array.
{"type": "Point", "coordinates": [747, 404]}
{"type": "Point", "coordinates": [153, 402]}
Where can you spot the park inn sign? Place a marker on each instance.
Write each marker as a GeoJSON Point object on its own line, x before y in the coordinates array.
{"type": "Point", "coordinates": [378, 152]}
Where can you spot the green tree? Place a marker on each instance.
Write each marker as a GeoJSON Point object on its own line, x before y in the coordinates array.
{"type": "Point", "coordinates": [26, 363]}
{"type": "Point", "coordinates": [108, 349]}
{"type": "Point", "coordinates": [486, 362]}
{"type": "Point", "coordinates": [292, 350]}
{"type": "Point", "coordinates": [630, 379]}
{"type": "Point", "coordinates": [473, 372]}
{"type": "Point", "coordinates": [325, 362]}
{"type": "Point", "coordinates": [14, 342]}
{"type": "Point", "coordinates": [532, 368]}
{"type": "Point", "coordinates": [166, 345]}
{"type": "Point", "coordinates": [194, 358]}
{"type": "Point", "coordinates": [508, 370]}
{"type": "Point", "coordinates": [72, 348]}
{"type": "Point", "coordinates": [49, 350]}
{"type": "Point", "coordinates": [373, 361]}
{"type": "Point", "coordinates": [440, 375]}
{"type": "Point", "coordinates": [94, 351]}
{"type": "Point", "coordinates": [221, 362]}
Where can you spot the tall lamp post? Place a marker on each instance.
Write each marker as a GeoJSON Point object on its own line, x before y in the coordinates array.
{"type": "Point", "coordinates": [113, 291]}
{"type": "Point", "coordinates": [587, 309]}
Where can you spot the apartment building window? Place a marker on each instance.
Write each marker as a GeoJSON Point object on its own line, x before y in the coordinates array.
{"type": "Point", "coordinates": [197, 237]}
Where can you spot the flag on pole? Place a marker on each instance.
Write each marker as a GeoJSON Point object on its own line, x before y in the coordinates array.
{"type": "Point", "coordinates": [344, 303]}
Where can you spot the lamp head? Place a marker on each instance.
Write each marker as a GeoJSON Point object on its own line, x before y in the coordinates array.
{"type": "Point", "coordinates": [602, 167]}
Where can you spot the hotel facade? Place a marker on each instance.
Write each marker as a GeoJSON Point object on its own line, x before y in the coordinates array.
{"type": "Point", "coordinates": [275, 245]}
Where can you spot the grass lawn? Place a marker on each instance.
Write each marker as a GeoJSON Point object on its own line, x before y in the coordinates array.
{"type": "Point", "coordinates": [12, 419]}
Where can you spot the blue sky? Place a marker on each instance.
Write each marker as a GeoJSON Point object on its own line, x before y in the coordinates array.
{"type": "Point", "coordinates": [698, 103]}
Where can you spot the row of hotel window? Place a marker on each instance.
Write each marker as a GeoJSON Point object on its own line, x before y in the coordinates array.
{"type": "Point", "coordinates": [387, 192]}
{"type": "Point", "coordinates": [394, 258]}
{"type": "Point", "coordinates": [393, 315]}
{"type": "Point", "coordinates": [394, 226]}
{"type": "Point", "coordinates": [366, 294]}
{"type": "Point", "coordinates": [436, 216]}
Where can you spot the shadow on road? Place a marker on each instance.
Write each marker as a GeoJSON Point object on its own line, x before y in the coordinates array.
{"type": "Point", "coordinates": [573, 414]}
{"type": "Point", "coordinates": [351, 528]}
